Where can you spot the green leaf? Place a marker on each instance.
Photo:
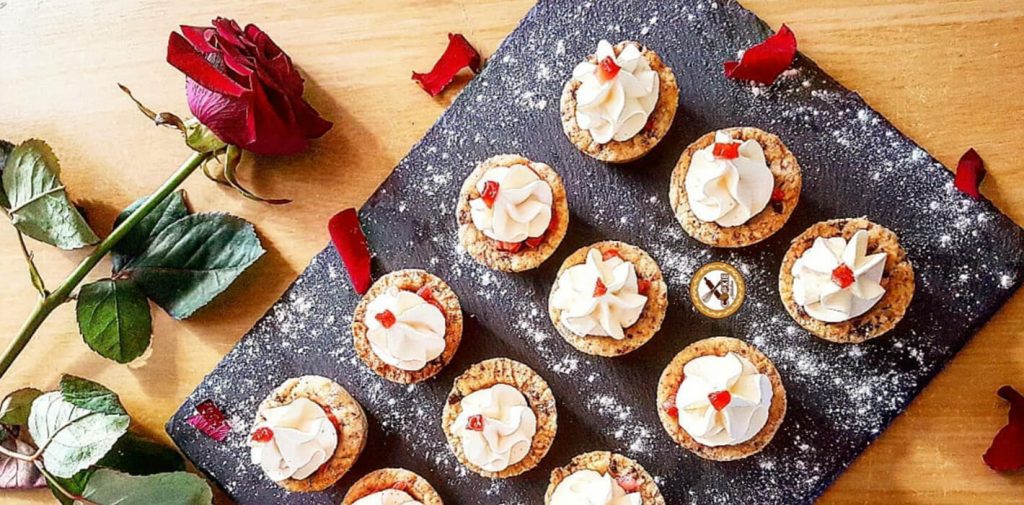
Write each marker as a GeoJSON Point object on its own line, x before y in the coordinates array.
{"type": "Point", "coordinates": [109, 487]}
{"type": "Point", "coordinates": [134, 242]}
{"type": "Point", "coordinates": [114, 320]}
{"type": "Point", "coordinates": [74, 485]}
{"type": "Point", "coordinates": [91, 396]}
{"type": "Point", "coordinates": [5, 151]}
{"type": "Point", "coordinates": [193, 260]}
{"type": "Point", "coordinates": [74, 437]}
{"type": "Point", "coordinates": [15, 407]}
{"type": "Point", "coordinates": [138, 455]}
{"type": "Point", "coordinates": [39, 204]}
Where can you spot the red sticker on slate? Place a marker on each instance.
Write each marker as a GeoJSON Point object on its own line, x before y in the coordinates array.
{"type": "Point", "coordinates": [1007, 451]}
{"type": "Point", "coordinates": [210, 420]}
{"type": "Point", "coordinates": [970, 171]}
{"type": "Point", "coordinates": [457, 56]}
{"type": "Point", "coordinates": [350, 242]}
{"type": "Point", "coordinates": [764, 62]}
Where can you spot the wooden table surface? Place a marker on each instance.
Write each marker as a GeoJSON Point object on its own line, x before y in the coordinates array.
{"type": "Point", "coordinates": [949, 73]}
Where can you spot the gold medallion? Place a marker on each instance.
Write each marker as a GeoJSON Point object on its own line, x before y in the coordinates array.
{"type": "Point", "coordinates": [717, 290]}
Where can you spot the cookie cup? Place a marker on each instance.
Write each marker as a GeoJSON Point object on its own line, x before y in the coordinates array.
{"type": "Point", "coordinates": [643, 142]}
{"type": "Point", "coordinates": [537, 393]}
{"type": "Point", "coordinates": [673, 377]}
{"type": "Point", "coordinates": [897, 279]}
{"type": "Point", "coordinates": [393, 478]}
{"type": "Point", "coordinates": [617, 466]}
{"type": "Point", "coordinates": [788, 181]}
{"type": "Point", "coordinates": [409, 280]}
{"type": "Point", "coordinates": [485, 249]}
{"type": "Point", "coordinates": [351, 425]}
{"type": "Point", "coordinates": [650, 319]}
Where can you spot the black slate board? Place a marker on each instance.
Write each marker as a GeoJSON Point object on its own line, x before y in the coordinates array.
{"type": "Point", "coordinates": [966, 254]}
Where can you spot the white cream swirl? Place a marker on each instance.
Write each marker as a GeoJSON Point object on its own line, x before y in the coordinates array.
{"type": "Point", "coordinates": [586, 310]}
{"type": "Point", "coordinates": [723, 400]}
{"type": "Point", "coordinates": [616, 108]}
{"type": "Point", "coordinates": [388, 497]}
{"type": "Point", "coordinates": [522, 208]}
{"type": "Point", "coordinates": [303, 439]}
{"type": "Point", "coordinates": [817, 284]}
{"type": "Point", "coordinates": [587, 487]}
{"type": "Point", "coordinates": [415, 338]}
{"type": "Point", "coordinates": [729, 191]}
{"type": "Point", "coordinates": [496, 427]}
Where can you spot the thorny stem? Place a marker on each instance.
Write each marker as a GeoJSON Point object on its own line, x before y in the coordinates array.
{"type": "Point", "coordinates": [33, 272]}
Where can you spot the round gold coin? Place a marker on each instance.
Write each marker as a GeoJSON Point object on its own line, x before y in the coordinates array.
{"type": "Point", "coordinates": [717, 290]}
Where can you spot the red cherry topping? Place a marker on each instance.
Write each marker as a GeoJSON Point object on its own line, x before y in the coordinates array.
{"type": "Point", "coordinates": [728, 151]}
{"type": "Point", "coordinates": [842, 276]}
{"type": "Point", "coordinates": [475, 423]}
{"type": "Point", "coordinates": [262, 435]}
{"type": "Point", "coordinates": [331, 417]}
{"type": "Point", "coordinates": [778, 195]}
{"type": "Point", "coordinates": [386, 318]}
{"type": "Point", "coordinates": [628, 483]}
{"type": "Point", "coordinates": [719, 399]}
{"type": "Point", "coordinates": [600, 289]}
{"type": "Point", "coordinates": [607, 69]}
{"type": "Point", "coordinates": [512, 247]}
{"type": "Point", "coordinates": [610, 253]}
{"type": "Point", "coordinates": [533, 242]}
{"type": "Point", "coordinates": [490, 193]}
{"type": "Point", "coordinates": [403, 486]}
{"type": "Point", "coordinates": [427, 295]}
{"type": "Point", "coordinates": [671, 409]}
{"type": "Point", "coordinates": [643, 286]}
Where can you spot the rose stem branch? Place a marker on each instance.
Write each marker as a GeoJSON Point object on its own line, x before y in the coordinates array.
{"type": "Point", "coordinates": [61, 295]}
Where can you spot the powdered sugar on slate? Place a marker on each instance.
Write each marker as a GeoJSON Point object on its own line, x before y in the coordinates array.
{"type": "Point", "coordinates": [966, 256]}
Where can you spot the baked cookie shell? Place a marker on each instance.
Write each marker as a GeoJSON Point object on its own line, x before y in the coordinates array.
{"type": "Point", "coordinates": [409, 280]}
{"type": "Point", "coordinates": [393, 478]}
{"type": "Point", "coordinates": [643, 142]}
{"type": "Point", "coordinates": [897, 279]}
{"type": "Point", "coordinates": [483, 248]}
{"type": "Point", "coordinates": [788, 180]}
{"type": "Point", "coordinates": [537, 393]}
{"type": "Point", "coordinates": [672, 378]}
{"type": "Point", "coordinates": [614, 464]}
{"type": "Point", "coordinates": [650, 319]}
{"type": "Point", "coordinates": [351, 427]}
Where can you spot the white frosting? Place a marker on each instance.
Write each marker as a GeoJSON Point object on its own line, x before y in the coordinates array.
{"type": "Point", "coordinates": [618, 108]}
{"type": "Point", "coordinates": [509, 425]}
{"type": "Point", "coordinates": [744, 415]}
{"type": "Point", "coordinates": [416, 338]}
{"type": "Point", "coordinates": [604, 316]}
{"type": "Point", "coordinates": [304, 438]}
{"type": "Point", "coordinates": [522, 208]}
{"type": "Point", "coordinates": [388, 497]}
{"type": "Point", "coordinates": [729, 191]}
{"type": "Point", "coordinates": [587, 487]}
{"type": "Point", "coordinates": [820, 296]}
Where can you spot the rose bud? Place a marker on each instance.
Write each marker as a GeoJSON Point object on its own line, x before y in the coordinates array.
{"type": "Point", "coordinates": [244, 88]}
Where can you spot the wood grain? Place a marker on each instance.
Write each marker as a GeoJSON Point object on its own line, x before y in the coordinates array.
{"type": "Point", "coordinates": [945, 72]}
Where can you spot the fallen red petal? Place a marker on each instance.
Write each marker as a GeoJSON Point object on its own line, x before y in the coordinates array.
{"type": "Point", "coordinates": [764, 62]}
{"type": "Point", "coordinates": [457, 56]}
{"type": "Point", "coordinates": [1006, 454]}
{"type": "Point", "coordinates": [348, 239]}
{"type": "Point", "coordinates": [210, 420]}
{"type": "Point", "coordinates": [970, 171]}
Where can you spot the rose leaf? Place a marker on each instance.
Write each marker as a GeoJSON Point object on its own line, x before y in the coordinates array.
{"type": "Point", "coordinates": [18, 474]}
{"type": "Point", "coordinates": [15, 407]}
{"type": "Point", "coordinates": [107, 487]}
{"type": "Point", "coordinates": [39, 204]}
{"type": "Point", "coordinates": [193, 260]}
{"type": "Point", "coordinates": [139, 455]}
{"type": "Point", "coordinates": [5, 151]}
{"type": "Point", "coordinates": [74, 485]}
{"type": "Point", "coordinates": [114, 320]}
{"type": "Point", "coordinates": [134, 242]}
{"type": "Point", "coordinates": [86, 394]}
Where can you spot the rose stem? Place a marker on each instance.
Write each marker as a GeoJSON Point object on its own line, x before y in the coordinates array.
{"type": "Point", "coordinates": [59, 296]}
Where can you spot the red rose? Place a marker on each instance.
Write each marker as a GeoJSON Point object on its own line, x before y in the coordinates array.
{"type": "Point", "coordinates": [242, 86]}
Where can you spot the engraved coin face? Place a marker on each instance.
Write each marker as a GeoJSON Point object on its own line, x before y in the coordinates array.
{"type": "Point", "coordinates": [717, 290]}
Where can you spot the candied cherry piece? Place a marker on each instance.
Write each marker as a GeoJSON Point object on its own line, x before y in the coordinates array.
{"type": "Point", "coordinates": [643, 286]}
{"type": "Point", "coordinates": [610, 253]}
{"type": "Point", "coordinates": [490, 193]}
{"type": "Point", "coordinates": [331, 417]}
{"type": "Point", "coordinates": [843, 276]}
{"type": "Point", "coordinates": [671, 409]}
{"type": "Point", "coordinates": [719, 399]}
{"type": "Point", "coordinates": [600, 289]}
{"type": "Point", "coordinates": [475, 423]}
{"type": "Point", "coordinates": [607, 69]}
{"type": "Point", "coordinates": [778, 195]}
{"type": "Point", "coordinates": [628, 483]}
{"type": "Point", "coordinates": [512, 247]}
{"type": "Point", "coordinates": [386, 318]}
{"type": "Point", "coordinates": [728, 151]}
{"type": "Point", "coordinates": [262, 435]}
{"type": "Point", "coordinates": [533, 242]}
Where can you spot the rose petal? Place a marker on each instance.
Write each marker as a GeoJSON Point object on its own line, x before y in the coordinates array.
{"type": "Point", "coordinates": [348, 239]}
{"type": "Point", "coordinates": [184, 57]}
{"type": "Point", "coordinates": [764, 62]}
{"type": "Point", "coordinates": [1006, 454]}
{"type": "Point", "coordinates": [210, 420]}
{"type": "Point", "coordinates": [457, 55]}
{"type": "Point", "coordinates": [970, 171]}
